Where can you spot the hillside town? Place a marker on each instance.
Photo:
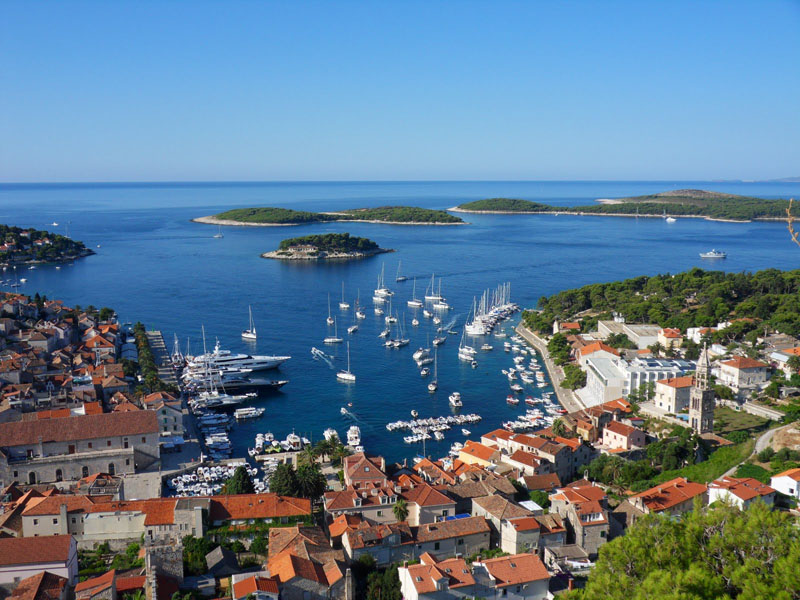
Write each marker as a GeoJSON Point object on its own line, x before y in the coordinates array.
{"type": "Point", "coordinates": [90, 450]}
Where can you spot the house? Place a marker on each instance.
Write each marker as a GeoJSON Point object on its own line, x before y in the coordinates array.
{"type": "Point", "coordinates": [497, 509]}
{"type": "Point", "coordinates": [103, 587]}
{"type": "Point", "coordinates": [519, 534]}
{"type": "Point", "coordinates": [222, 562]}
{"type": "Point", "coordinates": [742, 373]}
{"type": "Point", "coordinates": [618, 436]}
{"type": "Point", "coordinates": [68, 449]}
{"type": "Point", "coordinates": [476, 485]}
{"type": "Point", "coordinates": [672, 394]}
{"type": "Point", "coordinates": [571, 327]}
{"type": "Point", "coordinates": [519, 576]}
{"type": "Point", "coordinates": [434, 579]}
{"type": "Point", "coordinates": [780, 360]}
{"type": "Point", "coordinates": [741, 491]}
{"type": "Point", "coordinates": [425, 504]}
{"type": "Point", "coordinates": [255, 587]}
{"type": "Point", "coordinates": [584, 508]}
{"type": "Point", "coordinates": [544, 483]}
{"type": "Point", "coordinates": [597, 350]}
{"type": "Point", "coordinates": [465, 536]}
{"type": "Point", "coordinates": [787, 483]}
{"type": "Point", "coordinates": [474, 453]}
{"type": "Point", "coordinates": [670, 337]}
{"type": "Point", "coordinates": [42, 586]}
{"type": "Point", "coordinates": [362, 470]}
{"type": "Point", "coordinates": [672, 497]}
{"type": "Point", "coordinates": [23, 557]}
{"type": "Point", "coordinates": [385, 542]}
{"type": "Point", "coordinates": [302, 578]}
{"type": "Point", "coordinates": [528, 463]}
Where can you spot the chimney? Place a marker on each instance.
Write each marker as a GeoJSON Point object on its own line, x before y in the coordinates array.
{"type": "Point", "coordinates": [571, 584]}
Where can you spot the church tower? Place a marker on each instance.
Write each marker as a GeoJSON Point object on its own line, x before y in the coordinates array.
{"type": "Point", "coordinates": [701, 399]}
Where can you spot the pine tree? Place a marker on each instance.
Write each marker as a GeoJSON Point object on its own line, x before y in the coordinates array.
{"type": "Point", "coordinates": [284, 481]}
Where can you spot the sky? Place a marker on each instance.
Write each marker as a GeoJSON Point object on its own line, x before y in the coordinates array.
{"type": "Point", "coordinates": [412, 90]}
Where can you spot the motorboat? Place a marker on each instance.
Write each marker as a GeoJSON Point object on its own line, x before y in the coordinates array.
{"type": "Point", "coordinates": [466, 432]}
{"type": "Point", "coordinates": [713, 253]}
{"type": "Point", "coordinates": [352, 329]}
{"type": "Point", "coordinates": [330, 433]}
{"type": "Point", "coordinates": [455, 400]}
{"type": "Point", "coordinates": [249, 412]}
{"type": "Point", "coordinates": [219, 359]}
{"type": "Point", "coordinates": [353, 436]}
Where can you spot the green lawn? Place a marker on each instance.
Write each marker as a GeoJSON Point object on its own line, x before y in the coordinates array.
{"type": "Point", "coordinates": [727, 420]}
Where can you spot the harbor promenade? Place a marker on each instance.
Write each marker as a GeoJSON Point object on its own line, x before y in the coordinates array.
{"type": "Point", "coordinates": [567, 398]}
{"type": "Point", "coordinates": [161, 356]}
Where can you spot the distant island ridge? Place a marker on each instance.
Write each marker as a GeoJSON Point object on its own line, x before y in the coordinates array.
{"type": "Point", "coordinates": [676, 203]}
{"type": "Point", "coordinates": [273, 216]}
{"type": "Point", "coordinates": [328, 246]}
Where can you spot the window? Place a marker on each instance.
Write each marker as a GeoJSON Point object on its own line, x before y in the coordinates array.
{"type": "Point", "coordinates": [32, 478]}
{"type": "Point", "coordinates": [144, 440]}
{"type": "Point", "coordinates": [55, 521]}
{"type": "Point", "coordinates": [460, 541]}
{"type": "Point", "coordinates": [380, 513]}
{"type": "Point", "coordinates": [108, 442]}
{"type": "Point", "coordinates": [602, 534]}
{"type": "Point", "coordinates": [89, 445]}
{"type": "Point", "coordinates": [36, 521]}
{"type": "Point", "coordinates": [127, 462]}
{"type": "Point", "coordinates": [436, 546]}
{"type": "Point", "coordinates": [444, 512]}
{"type": "Point", "coordinates": [59, 475]}
{"type": "Point", "coordinates": [84, 471]}
{"type": "Point", "coordinates": [73, 520]}
{"type": "Point", "coordinates": [112, 470]}
{"type": "Point", "coordinates": [16, 474]}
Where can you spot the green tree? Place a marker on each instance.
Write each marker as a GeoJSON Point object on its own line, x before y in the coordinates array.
{"type": "Point", "coordinates": [559, 428]}
{"type": "Point", "coordinates": [541, 498]}
{"type": "Point", "coordinates": [574, 377]}
{"type": "Point", "coordinates": [657, 349]}
{"type": "Point", "coordinates": [284, 481]}
{"type": "Point", "coordinates": [384, 585]}
{"type": "Point", "coordinates": [400, 510]}
{"type": "Point", "coordinates": [707, 554]}
{"type": "Point", "coordinates": [324, 448]}
{"type": "Point", "coordinates": [793, 363]}
{"type": "Point", "coordinates": [310, 481]}
{"type": "Point", "coordinates": [307, 456]}
{"type": "Point", "coordinates": [239, 483]}
{"type": "Point", "coordinates": [259, 545]}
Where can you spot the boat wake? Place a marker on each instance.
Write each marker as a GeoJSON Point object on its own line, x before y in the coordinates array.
{"type": "Point", "coordinates": [451, 324]}
{"type": "Point", "coordinates": [348, 414]}
{"type": "Point", "coordinates": [319, 355]}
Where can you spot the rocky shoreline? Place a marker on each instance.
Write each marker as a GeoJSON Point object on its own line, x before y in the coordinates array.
{"type": "Point", "coordinates": [211, 220]}
{"type": "Point", "coordinates": [322, 255]}
{"type": "Point", "coordinates": [593, 214]}
{"type": "Point", "coordinates": [59, 261]}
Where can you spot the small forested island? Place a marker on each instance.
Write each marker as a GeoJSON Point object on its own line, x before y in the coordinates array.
{"type": "Point", "coordinates": [390, 215]}
{"type": "Point", "coordinates": [694, 298]}
{"type": "Point", "coordinates": [328, 246]}
{"type": "Point", "coordinates": [676, 203]}
{"type": "Point", "coordinates": [35, 246]}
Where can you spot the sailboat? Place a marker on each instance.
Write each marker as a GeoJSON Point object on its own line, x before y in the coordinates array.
{"type": "Point", "coordinates": [330, 318]}
{"type": "Point", "coordinates": [382, 291]}
{"type": "Point", "coordinates": [414, 302]}
{"type": "Point", "coordinates": [346, 375]}
{"type": "Point", "coordinates": [219, 232]}
{"type": "Point", "coordinates": [430, 293]}
{"type": "Point", "coordinates": [250, 333]}
{"type": "Point", "coordinates": [434, 384]}
{"type": "Point", "coordinates": [359, 313]}
{"type": "Point", "coordinates": [354, 327]}
{"type": "Point", "coordinates": [333, 339]}
{"type": "Point", "coordinates": [668, 219]}
{"type": "Point", "coordinates": [344, 305]}
{"type": "Point", "coordinates": [400, 277]}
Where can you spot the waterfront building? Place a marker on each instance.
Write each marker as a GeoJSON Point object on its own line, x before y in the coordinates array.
{"type": "Point", "coordinates": [643, 335]}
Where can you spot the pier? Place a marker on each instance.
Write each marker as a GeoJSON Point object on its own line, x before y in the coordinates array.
{"type": "Point", "coordinates": [567, 398]}
{"type": "Point", "coordinates": [161, 356]}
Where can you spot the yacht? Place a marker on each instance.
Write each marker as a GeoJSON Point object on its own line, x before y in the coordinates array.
{"type": "Point", "coordinates": [220, 359]}
{"type": "Point", "coordinates": [217, 235]}
{"type": "Point", "coordinates": [333, 339]}
{"type": "Point", "coordinates": [344, 305]}
{"type": "Point", "coordinates": [250, 333]}
{"type": "Point", "coordinates": [354, 436]}
{"type": "Point", "coordinates": [249, 412]}
{"type": "Point", "coordinates": [415, 322]}
{"type": "Point", "coordinates": [431, 295]}
{"type": "Point", "coordinates": [434, 385]}
{"type": "Point", "coordinates": [713, 253]}
{"type": "Point", "coordinates": [346, 375]}
{"type": "Point", "coordinates": [360, 314]}
{"type": "Point", "coordinates": [400, 277]}
{"type": "Point", "coordinates": [421, 354]}
{"type": "Point", "coordinates": [455, 400]}
{"type": "Point", "coordinates": [415, 302]}
{"type": "Point", "coordinates": [352, 329]}
{"type": "Point", "coordinates": [379, 311]}
{"type": "Point", "coordinates": [465, 431]}
{"type": "Point", "coordinates": [330, 433]}
{"type": "Point", "coordinates": [381, 291]}
{"type": "Point", "coordinates": [670, 219]}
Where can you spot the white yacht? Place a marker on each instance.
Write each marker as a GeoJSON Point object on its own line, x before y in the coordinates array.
{"type": "Point", "coordinates": [220, 359]}
{"type": "Point", "coordinates": [250, 332]}
{"type": "Point", "coordinates": [329, 320]}
{"type": "Point", "coordinates": [330, 433]}
{"type": "Point", "coordinates": [354, 436]}
{"type": "Point", "coordinates": [713, 253]}
{"type": "Point", "coordinates": [344, 305]}
{"type": "Point", "coordinates": [415, 302]}
{"type": "Point", "coordinates": [431, 295]}
{"type": "Point", "coordinates": [346, 375]}
{"type": "Point", "coordinates": [381, 291]}
{"type": "Point", "coordinates": [399, 276]}
{"type": "Point", "coordinates": [455, 400]}
{"type": "Point", "coordinates": [333, 339]}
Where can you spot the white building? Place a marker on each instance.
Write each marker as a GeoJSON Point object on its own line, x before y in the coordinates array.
{"type": "Point", "coordinates": [741, 491]}
{"type": "Point", "coordinates": [25, 556]}
{"type": "Point", "coordinates": [608, 379]}
{"type": "Point", "coordinates": [787, 483]}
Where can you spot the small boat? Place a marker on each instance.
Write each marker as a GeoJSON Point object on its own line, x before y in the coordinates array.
{"type": "Point", "coordinates": [424, 372]}
{"type": "Point", "coordinates": [352, 329]}
{"type": "Point", "coordinates": [414, 413]}
{"type": "Point", "coordinates": [344, 305]}
{"type": "Point", "coordinates": [330, 433]}
{"type": "Point", "coordinates": [427, 314]}
{"type": "Point", "coordinates": [670, 219]}
{"type": "Point", "coordinates": [439, 340]}
{"type": "Point", "coordinates": [713, 253]}
{"type": "Point", "coordinates": [474, 364]}
{"type": "Point", "coordinates": [455, 400]}
{"type": "Point", "coordinates": [385, 333]}
{"type": "Point", "coordinates": [437, 321]}
{"type": "Point", "coordinates": [415, 322]}
{"type": "Point", "coordinates": [487, 347]}
{"type": "Point", "coordinates": [250, 333]}
{"type": "Point", "coordinates": [343, 410]}
{"type": "Point", "coordinates": [466, 432]}
{"type": "Point", "coordinates": [512, 400]}
{"type": "Point", "coordinates": [517, 388]}
{"type": "Point", "coordinates": [329, 320]}
{"type": "Point", "coordinates": [434, 385]}
{"type": "Point", "coordinates": [217, 235]}
{"type": "Point", "coordinates": [54, 224]}
{"type": "Point", "coordinates": [360, 314]}
{"type": "Point", "coordinates": [378, 310]}
{"type": "Point", "coordinates": [438, 435]}
{"type": "Point", "coordinates": [346, 375]}
{"type": "Point", "coordinates": [400, 277]}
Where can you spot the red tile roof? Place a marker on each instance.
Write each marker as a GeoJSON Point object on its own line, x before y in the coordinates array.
{"type": "Point", "coordinates": [94, 585]}
{"type": "Point", "coordinates": [257, 506]}
{"type": "Point", "coordinates": [516, 569]}
{"type": "Point", "coordinates": [745, 488]}
{"type": "Point", "coordinates": [478, 450]}
{"type": "Point", "coordinates": [670, 493]}
{"type": "Point", "coordinates": [597, 347]}
{"type": "Point", "coordinates": [744, 362]}
{"type": "Point", "coordinates": [42, 586]}
{"type": "Point", "coordinates": [444, 530]}
{"type": "Point", "coordinates": [430, 571]}
{"type": "Point", "coordinates": [35, 550]}
{"type": "Point", "coordinates": [620, 428]}
{"type": "Point", "coordinates": [251, 585]}
{"type": "Point", "coordinates": [678, 382]}
{"type": "Point", "coordinates": [791, 473]}
{"type": "Point", "coordinates": [84, 427]}
{"type": "Point", "coordinates": [129, 584]}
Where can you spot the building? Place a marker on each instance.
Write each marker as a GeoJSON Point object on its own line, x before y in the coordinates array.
{"type": "Point", "coordinates": [787, 483]}
{"type": "Point", "coordinates": [520, 534]}
{"type": "Point", "coordinates": [102, 587]}
{"type": "Point", "coordinates": [670, 337]}
{"type": "Point", "coordinates": [362, 470]}
{"type": "Point", "coordinates": [619, 436]}
{"type": "Point", "coordinates": [450, 537]}
{"type": "Point", "coordinates": [672, 497]}
{"type": "Point", "coordinates": [584, 508]}
{"type": "Point", "coordinates": [742, 374]}
{"type": "Point", "coordinates": [741, 491]}
{"type": "Point", "coordinates": [497, 509]}
{"type": "Point", "coordinates": [385, 542]}
{"type": "Point", "coordinates": [24, 557]}
{"type": "Point", "coordinates": [255, 587]}
{"type": "Point", "coordinates": [597, 350]}
{"type": "Point", "coordinates": [641, 335]}
{"type": "Point", "coordinates": [672, 394]}
{"type": "Point", "coordinates": [68, 449]}
{"type": "Point", "coordinates": [433, 579]}
{"type": "Point", "coordinates": [474, 453]}
{"type": "Point", "coordinates": [701, 397]}
{"type": "Point", "coordinates": [42, 586]}
{"type": "Point", "coordinates": [519, 576]}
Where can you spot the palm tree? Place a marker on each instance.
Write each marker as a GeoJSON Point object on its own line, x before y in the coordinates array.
{"type": "Point", "coordinates": [307, 456]}
{"type": "Point", "coordinates": [324, 448]}
{"type": "Point", "coordinates": [559, 428]}
{"type": "Point", "coordinates": [400, 510]}
{"type": "Point", "coordinates": [793, 363]}
{"type": "Point", "coordinates": [339, 452]}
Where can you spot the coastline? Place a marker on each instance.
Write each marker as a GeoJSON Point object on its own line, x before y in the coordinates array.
{"type": "Point", "coordinates": [629, 215]}
{"type": "Point", "coordinates": [60, 261]}
{"type": "Point", "coordinates": [212, 220]}
{"type": "Point", "coordinates": [275, 255]}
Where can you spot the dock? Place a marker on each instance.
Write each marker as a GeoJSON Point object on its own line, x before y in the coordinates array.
{"type": "Point", "coordinates": [567, 398]}
{"type": "Point", "coordinates": [162, 358]}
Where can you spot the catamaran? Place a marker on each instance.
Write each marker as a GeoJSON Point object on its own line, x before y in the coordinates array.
{"type": "Point", "coordinates": [333, 339]}
{"type": "Point", "coordinates": [400, 277]}
{"type": "Point", "coordinates": [414, 302]}
{"type": "Point", "coordinates": [346, 375]}
{"type": "Point", "coordinates": [250, 333]}
{"type": "Point", "coordinates": [344, 305]}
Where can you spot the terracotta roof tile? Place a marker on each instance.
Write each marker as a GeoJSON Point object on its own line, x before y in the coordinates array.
{"type": "Point", "coordinates": [443, 530]}
{"type": "Point", "coordinates": [85, 427]}
{"type": "Point", "coordinates": [516, 569]}
{"type": "Point", "coordinates": [744, 362]}
{"type": "Point", "coordinates": [35, 550]}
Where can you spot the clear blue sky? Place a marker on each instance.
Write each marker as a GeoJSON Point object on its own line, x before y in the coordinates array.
{"type": "Point", "coordinates": [153, 91]}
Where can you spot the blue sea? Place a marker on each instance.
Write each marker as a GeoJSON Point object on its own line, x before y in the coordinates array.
{"type": "Point", "coordinates": [154, 265]}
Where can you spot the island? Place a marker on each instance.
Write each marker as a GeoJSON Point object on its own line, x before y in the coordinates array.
{"type": "Point", "coordinates": [388, 215]}
{"type": "Point", "coordinates": [676, 203]}
{"type": "Point", "coordinates": [328, 246]}
{"type": "Point", "coordinates": [34, 246]}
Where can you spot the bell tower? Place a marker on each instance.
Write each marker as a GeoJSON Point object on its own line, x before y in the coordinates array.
{"type": "Point", "coordinates": [701, 398]}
